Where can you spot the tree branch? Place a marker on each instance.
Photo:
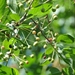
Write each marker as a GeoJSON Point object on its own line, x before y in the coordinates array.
{"type": "Point", "coordinates": [40, 30]}
{"type": "Point", "coordinates": [25, 15]}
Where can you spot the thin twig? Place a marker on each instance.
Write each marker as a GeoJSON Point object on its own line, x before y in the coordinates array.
{"type": "Point", "coordinates": [25, 15]}
{"type": "Point", "coordinates": [40, 30]}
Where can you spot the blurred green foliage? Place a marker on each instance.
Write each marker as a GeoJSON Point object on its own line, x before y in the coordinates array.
{"type": "Point", "coordinates": [34, 33]}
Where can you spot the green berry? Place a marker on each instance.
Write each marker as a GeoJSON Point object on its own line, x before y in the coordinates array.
{"type": "Point", "coordinates": [57, 6]}
{"type": "Point", "coordinates": [53, 9]}
{"type": "Point", "coordinates": [24, 57]}
{"type": "Point", "coordinates": [21, 63]}
{"type": "Point", "coordinates": [37, 38]}
{"type": "Point", "coordinates": [54, 16]}
{"type": "Point", "coordinates": [34, 32]}
{"type": "Point", "coordinates": [35, 43]}
{"type": "Point", "coordinates": [2, 47]}
{"type": "Point", "coordinates": [27, 62]}
{"type": "Point", "coordinates": [42, 10]}
{"type": "Point", "coordinates": [32, 55]}
{"type": "Point", "coordinates": [49, 59]}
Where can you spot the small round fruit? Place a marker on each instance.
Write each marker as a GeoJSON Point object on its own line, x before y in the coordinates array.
{"type": "Point", "coordinates": [54, 17]}
{"type": "Point", "coordinates": [45, 46]}
{"type": "Point", "coordinates": [57, 6]}
{"type": "Point", "coordinates": [15, 47]}
{"type": "Point", "coordinates": [24, 48]}
{"type": "Point", "coordinates": [49, 59]}
{"type": "Point", "coordinates": [20, 67]}
{"type": "Point", "coordinates": [37, 38]}
{"type": "Point", "coordinates": [29, 46]}
{"type": "Point", "coordinates": [30, 23]}
{"type": "Point", "coordinates": [10, 46]}
{"type": "Point", "coordinates": [39, 33]}
{"type": "Point", "coordinates": [9, 53]}
{"type": "Point", "coordinates": [32, 55]}
{"type": "Point", "coordinates": [35, 43]}
{"type": "Point", "coordinates": [21, 45]}
{"type": "Point", "coordinates": [1, 53]}
{"type": "Point", "coordinates": [44, 57]}
{"type": "Point", "coordinates": [24, 57]}
{"type": "Point", "coordinates": [34, 32]}
{"type": "Point", "coordinates": [50, 39]}
{"type": "Point", "coordinates": [52, 59]}
{"type": "Point", "coordinates": [55, 34]}
{"type": "Point", "coordinates": [53, 9]}
{"type": "Point", "coordinates": [21, 63]}
{"type": "Point", "coordinates": [27, 62]}
{"type": "Point", "coordinates": [42, 10]}
{"type": "Point", "coordinates": [2, 47]}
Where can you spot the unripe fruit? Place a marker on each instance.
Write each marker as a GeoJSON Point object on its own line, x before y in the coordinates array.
{"type": "Point", "coordinates": [44, 57]}
{"type": "Point", "coordinates": [45, 46]}
{"type": "Point", "coordinates": [54, 16]}
{"type": "Point", "coordinates": [30, 23]}
{"type": "Point", "coordinates": [35, 43]}
{"type": "Point", "coordinates": [10, 46]}
{"type": "Point", "coordinates": [1, 53]}
{"type": "Point", "coordinates": [2, 47]}
{"type": "Point", "coordinates": [42, 10]}
{"type": "Point", "coordinates": [50, 39]}
{"type": "Point", "coordinates": [21, 45]}
{"type": "Point", "coordinates": [20, 67]}
{"type": "Point", "coordinates": [24, 48]}
{"type": "Point", "coordinates": [55, 34]}
{"type": "Point", "coordinates": [9, 53]}
{"type": "Point", "coordinates": [57, 6]}
{"type": "Point", "coordinates": [39, 33]}
{"type": "Point", "coordinates": [21, 63]}
{"type": "Point", "coordinates": [24, 57]}
{"type": "Point", "coordinates": [53, 9]}
{"type": "Point", "coordinates": [34, 32]}
{"type": "Point", "coordinates": [20, 4]}
{"type": "Point", "coordinates": [37, 38]}
{"type": "Point", "coordinates": [52, 59]}
{"type": "Point", "coordinates": [27, 62]}
{"type": "Point", "coordinates": [32, 55]}
{"type": "Point", "coordinates": [29, 46]}
{"type": "Point", "coordinates": [6, 57]}
{"type": "Point", "coordinates": [26, 9]}
{"type": "Point", "coordinates": [15, 47]}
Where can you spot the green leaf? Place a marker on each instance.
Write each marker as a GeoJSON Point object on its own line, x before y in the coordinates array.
{"type": "Point", "coordinates": [5, 18]}
{"type": "Point", "coordinates": [2, 26]}
{"type": "Point", "coordinates": [35, 3]}
{"type": "Point", "coordinates": [65, 38]}
{"type": "Point", "coordinates": [12, 5]}
{"type": "Point", "coordinates": [15, 71]}
{"type": "Point", "coordinates": [12, 41]}
{"type": "Point", "coordinates": [2, 7]}
{"type": "Point", "coordinates": [16, 52]}
{"type": "Point", "coordinates": [6, 44]}
{"type": "Point", "coordinates": [54, 71]}
{"type": "Point", "coordinates": [49, 50]}
{"type": "Point", "coordinates": [73, 50]}
{"type": "Point", "coordinates": [45, 62]}
{"type": "Point", "coordinates": [15, 17]}
{"type": "Point", "coordinates": [40, 10]}
{"type": "Point", "coordinates": [23, 26]}
{"type": "Point", "coordinates": [4, 70]}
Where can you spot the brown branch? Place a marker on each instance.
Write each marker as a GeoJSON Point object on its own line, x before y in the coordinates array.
{"type": "Point", "coordinates": [40, 30]}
